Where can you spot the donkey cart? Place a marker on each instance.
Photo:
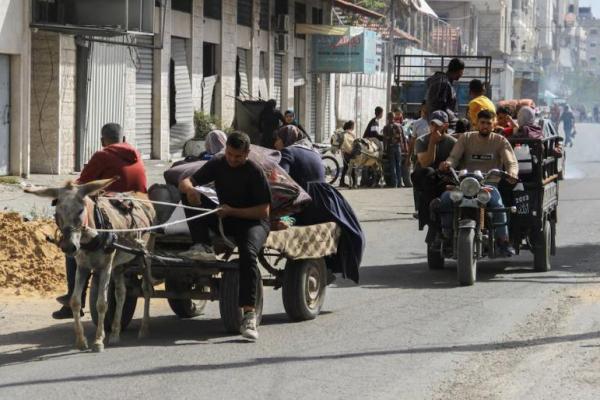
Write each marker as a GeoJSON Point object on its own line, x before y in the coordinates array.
{"type": "Point", "coordinates": [190, 284]}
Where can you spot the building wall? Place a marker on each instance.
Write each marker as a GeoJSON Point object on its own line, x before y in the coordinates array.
{"type": "Point", "coordinates": [45, 51]}
{"type": "Point", "coordinates": [460, 14]}
{"type": "Point", "coordinates": [66, 118]}
{"type": "Point", "coordinates": [357, 97]}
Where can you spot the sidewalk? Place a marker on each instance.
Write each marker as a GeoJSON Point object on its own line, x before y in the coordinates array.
{"type": "Point", "coordinates": [369, 204]}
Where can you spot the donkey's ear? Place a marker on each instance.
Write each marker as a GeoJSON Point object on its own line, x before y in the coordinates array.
{"type": "Point", "coordinates": [43, 192]}
{"type": "Point", "coordinates": [91, 188]}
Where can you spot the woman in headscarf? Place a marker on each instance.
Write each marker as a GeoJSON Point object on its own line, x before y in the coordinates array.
{"type": "Point", "coordinates": [527, 126]}
{"type": "Point", "coordinates": [214, 143]}
{"type": "Point", "coordinates": [297, 156]}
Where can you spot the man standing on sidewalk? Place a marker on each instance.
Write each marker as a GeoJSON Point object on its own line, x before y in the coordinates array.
{"type": "Point", "coordinates": [116, 158]}
{"type": "Point", "coordinates": [393, 144]}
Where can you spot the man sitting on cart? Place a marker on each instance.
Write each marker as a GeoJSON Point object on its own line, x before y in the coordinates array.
{"type": "Point", "coordinates": [245, 202]}
{"type": "Point", "coordinates": [482, 150]}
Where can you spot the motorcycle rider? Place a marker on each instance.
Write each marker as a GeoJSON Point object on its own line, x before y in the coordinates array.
{"type": "Point", "coordinates": [482, 150]}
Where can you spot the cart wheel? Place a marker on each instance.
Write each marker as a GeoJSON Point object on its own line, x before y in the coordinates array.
{"type": "Point", "coordinates": [183, 308]}
{"type": "Point", "coordinates": [542, 247]}
{"type": "Point", "coordinates": [304, 286]}
{"type": "Point", "coordinates": [332, 169]}
{"type": "Point", "coordinates": [231, 313]}
{"type": "Point", "coordinates": [128, 306]}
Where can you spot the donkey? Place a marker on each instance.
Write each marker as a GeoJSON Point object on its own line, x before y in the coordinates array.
{"type": "Point", "coordinates": [75, 217]}
{"type": "Point", "coordinates": [366, 153]}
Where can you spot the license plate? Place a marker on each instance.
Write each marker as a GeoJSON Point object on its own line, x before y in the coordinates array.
{"type": "Point", "coordinates": [522, 204]}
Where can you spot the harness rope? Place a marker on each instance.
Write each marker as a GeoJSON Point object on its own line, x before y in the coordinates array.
{"type": "Point", "coordinates": [207, 211]}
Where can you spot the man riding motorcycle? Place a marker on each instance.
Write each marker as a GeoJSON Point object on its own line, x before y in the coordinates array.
{"type": "Point", "coordinates": [482, 150]}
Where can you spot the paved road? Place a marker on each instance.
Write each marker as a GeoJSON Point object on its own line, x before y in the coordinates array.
{"type": "Point", "coordinates": [404, 333]}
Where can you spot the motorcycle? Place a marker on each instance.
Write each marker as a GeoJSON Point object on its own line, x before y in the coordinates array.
{"type": "Point", "coordinates": [473, 225]}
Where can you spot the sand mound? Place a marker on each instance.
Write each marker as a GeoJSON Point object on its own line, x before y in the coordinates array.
{"type": "Point", "coordinates": [28, 262]}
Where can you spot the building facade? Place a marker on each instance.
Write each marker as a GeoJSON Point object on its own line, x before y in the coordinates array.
{"type": "Point", "coordinates": [15, 55]}
{"type": "Point", "coordinates": [204, 54]}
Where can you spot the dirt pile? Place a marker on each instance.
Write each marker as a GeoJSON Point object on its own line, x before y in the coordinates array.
{"type": "Point", "coordinates": [28, 262]}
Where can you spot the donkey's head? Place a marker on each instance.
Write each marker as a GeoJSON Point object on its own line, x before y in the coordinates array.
{"type": "Point", "coordinates": [71, 216]}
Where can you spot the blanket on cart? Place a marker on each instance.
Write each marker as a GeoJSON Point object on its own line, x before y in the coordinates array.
{"type": "Point", "coordinates": [313, 241]}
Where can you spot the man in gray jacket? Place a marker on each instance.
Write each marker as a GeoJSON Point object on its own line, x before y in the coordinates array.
{"type": "Point", "coordinates": [441, 94]}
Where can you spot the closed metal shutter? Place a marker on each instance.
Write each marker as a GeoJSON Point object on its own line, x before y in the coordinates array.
{"type": "Point", "coordinates": [278, 79]}
{"type": "Point", "coordinates": [105, 94]}
{"type": "Point", "coordinates": [314, 95]}
{"type": "Point", "coordinates": [143, 97]}
{"type": "Point", "coordinates": [243, 72]}
{"type": "Point", "coordinates": [327, 123]}
{"type": "Point", "coordinates": [184, 112]}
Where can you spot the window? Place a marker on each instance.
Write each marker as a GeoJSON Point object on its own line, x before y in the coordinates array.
{"type": "Point", "coordinates": [263, 21]}
{"type": "Point", "coordinates": [212, 9]}
{"type": "Point", "coordinates": [593, 31]}
{"type": "Point", "coordinates": [592, 44]}
{"type": "Point", "coordinates": [244, 12]}
{"type": "Point", "coordinates": [317, 16]}
{"type": "Point", "coordinates": [182, 5]}
{"type": "Point", "coordinates": [300, 16]}
{"type": "Point", "coordinates": [281, 7]}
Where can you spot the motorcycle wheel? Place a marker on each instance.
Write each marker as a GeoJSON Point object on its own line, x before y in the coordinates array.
{"type": "Point", "coordinates": [466, 264]}
{"type": "Point", "coordinates": [542, 247]}
{"type": "Point", "coordinates": [332, 169]}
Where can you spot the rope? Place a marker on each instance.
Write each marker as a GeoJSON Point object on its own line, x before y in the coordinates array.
{"type": "Point", "coordinates": [207, 211]}
{"type": "Point", "coordinates": [153, 227]}
{"type": "Point", "coordinates": [162, 203]}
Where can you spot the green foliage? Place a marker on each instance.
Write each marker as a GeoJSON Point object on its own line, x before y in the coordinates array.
{"type": "Point", "coordinates": [373, 5]}
{"type": "Point", "coordinates": [204, 123]}
{"type": "Point", "coordinates": [9, 180]}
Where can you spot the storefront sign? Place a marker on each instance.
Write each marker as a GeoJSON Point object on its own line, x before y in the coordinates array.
{"type": "Point", "coordinates": [354, 52]}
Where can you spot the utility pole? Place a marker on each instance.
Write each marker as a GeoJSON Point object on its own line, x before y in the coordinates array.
{"type": "Point", "coordinates": [391, 47]}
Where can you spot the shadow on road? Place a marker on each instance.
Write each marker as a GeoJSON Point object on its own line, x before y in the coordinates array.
{"type": "Point", "coordinates": [57, 340]}
{"type": "Point", "coordinates": [418, 275]}
{"type": "Point", "coordinates": [177, 369]}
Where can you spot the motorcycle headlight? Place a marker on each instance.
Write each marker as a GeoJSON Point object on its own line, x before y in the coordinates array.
{"type": "Point", "coordinates": [483, 196]}
{"type": "Point", "coordinates": [456, 195]}
{"type": "Point", "coordinates": [470, 187]}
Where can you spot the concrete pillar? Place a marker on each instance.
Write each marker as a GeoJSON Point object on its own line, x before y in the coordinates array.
{"type": "Point", "coordinates": [255, 49]}
{"type": "Point", "coordinates": [20, 102]}
{"type": "Point", "coordinates": [226, 88]}
{"type": "Point", "coordinates": [197, 52]}
{"type": "Point", "coordinates": [160, 85]}
{"type": "Point", "coordinates": [66, 150]}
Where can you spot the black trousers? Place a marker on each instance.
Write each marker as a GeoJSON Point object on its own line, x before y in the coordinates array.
{"type": "Point", "coordinates": [427, 185]}
{"type": "Point", "coordinates": [249, 237]}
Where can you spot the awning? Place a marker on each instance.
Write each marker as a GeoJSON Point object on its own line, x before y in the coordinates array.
{"type": "Point", "coordinates": [423, 7]}
{"type": "Point", "coordinates": [328, 30]}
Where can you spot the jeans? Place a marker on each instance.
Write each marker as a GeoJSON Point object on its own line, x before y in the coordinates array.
{"type": "Point", "coordinates": [447, 212]}
{"type": "Point", "coordinates": [426, 187]}
{"type": "Point", "coordinates": [249, 237]}
{"type": "Point", "coordinates": [568, 136]}
{"type": "Point", "coordinates": [71, 271]}
{"type": "Point", "coordinates": [395, 160]}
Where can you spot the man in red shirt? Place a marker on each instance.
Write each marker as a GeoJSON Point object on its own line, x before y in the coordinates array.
{"type": "Point", "coordinates": [116, 158]}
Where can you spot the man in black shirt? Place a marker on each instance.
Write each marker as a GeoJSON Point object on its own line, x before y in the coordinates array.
{"type": "Point", "coordinates": [372, 130]}
{"type": "Point", "coordinates": [245, 202]}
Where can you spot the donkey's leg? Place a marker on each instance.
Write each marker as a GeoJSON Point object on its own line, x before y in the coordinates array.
{"type": "Point", "coordinates": [120, 293]}
{"type": "Point", "coordinates": [147, 291]}
{"type": "Point", "coordinates": [81, 277]}
{"type": "Point", "coordinates": [101, 306]}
